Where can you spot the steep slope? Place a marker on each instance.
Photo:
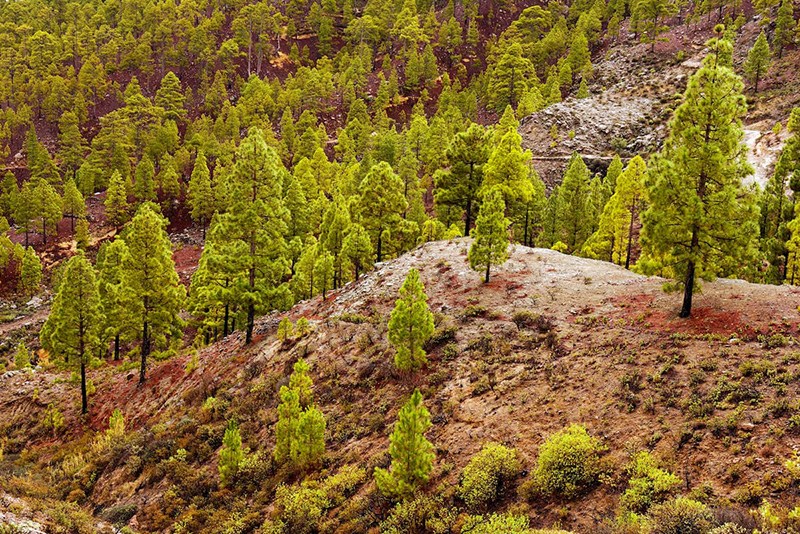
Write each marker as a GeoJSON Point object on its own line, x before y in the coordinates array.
{"type": "Point", "coordinates": [710, 395]}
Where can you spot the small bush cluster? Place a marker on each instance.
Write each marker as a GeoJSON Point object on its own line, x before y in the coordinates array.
{"type": "Point", "coordinates": [648, 484]}
{"type": "Point", "coordinates": [569, 462]}
{"type": "Point", "coordinates": [487, 474]}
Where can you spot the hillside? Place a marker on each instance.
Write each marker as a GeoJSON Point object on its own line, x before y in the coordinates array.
{"type": "Point", "coordinates": [711, 397]}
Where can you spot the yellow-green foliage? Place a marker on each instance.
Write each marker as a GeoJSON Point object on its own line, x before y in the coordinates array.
{"type": "Point", "coordinates": [648, 484]}
{"type": "Point", "coordinates": [53, 418]}
{"type": "Point", "coordinates": [499, 524]}
{"type": "Point", "coordinates": [407, 516]}
{"type": "Point", "coordinates": [22, 358]}
{"type": "Point", "coordinates": [487, 473]}
{"type": "Point", "coordinates": [302, 507]}
{"type": "Point", "coordinates": [285, 329]}
{"type": "Point", "coordinates": [569, 461]}
{"type": "Point", "coordinates": [680, 516]}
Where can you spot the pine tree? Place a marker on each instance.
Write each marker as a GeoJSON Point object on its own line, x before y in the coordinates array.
{"type": "Point", "coordinates": [784, 26]}
{"type": "Point", "coordinates": [74, 205]}
{"type": "Point", "coordinates": [73, 327]}
{"type": "Point", "coordinates": [793, 250]}
{"type": "Point", "coordinates": [116, 202]}
{"type": "Point", "coordinates": [30, 273]}
{"type": "Point", "coordinates": [254, 230]}
{"type": "Point", "coordinates": [411, 324]}
{"type": "Point", "coordinates": [170, 98]}
{"type": "Point", "coordinates": [412, 454]}
{"type": "Point", "coordinates": [323, 273]}
{"type": "Point", "coordinates": [200, 195]}
{"type": "Point", "coordinates": [651, 15]}
{"type": "Point", "coordinates": [73, 145]}
{"type": "Point", "coordinates": [300, 432]}
{"type": "Point", "coordinates": [144, 187]}
{"type": "Point", "coordinates": [45, 204]}
{"type": "Point", "coordinates": [110, 261]}
{"type": "Point", "coordinates": [508, 170]}
{"type": "Point", "coordinates": [699, 212]}
{"type": "Point", "coordinates": [757, 60]}
{"type": "Point", "coordinates": [491, 234]}
{"type": "Point", "coordinates": [459, 185]}
{"type": "Point", "coordinates": [231, 455]}
{"type": "Point", "coordinates": [22, 358]}
{"type": "Point", "coordinates": [382, 203]}
{"type": "Point", "coordinates": [82, 234]}
{"type": "Point", "coordinates": [615, 236]}
{"type": "Point", "coordinates": [152, 292]}
{"type": "Point", "coordinates": [574, 221]}
{"type": "Point", "coordinates": [357, 249]}
{"type": "Point", "coordinates": [510, 78]}
{"type": "Point", "coordinates": [9, 195]}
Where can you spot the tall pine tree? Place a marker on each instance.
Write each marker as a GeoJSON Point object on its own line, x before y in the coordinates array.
{"type": "Point", "coordinates": [699, 212]}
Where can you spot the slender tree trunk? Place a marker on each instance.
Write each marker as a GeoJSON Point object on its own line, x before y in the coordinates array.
{"type": "Point", "coordinates": [488, 266]}
{"type": "Point", "coordinates": [145, 344]}
{"type": "Point", "coordinates": [688, 284]}
{"type": "Point", "coordinates": [380, 253]}
{"type": "Point", "coordinates": [116, 348]}
{"type": "Point", "coordinates": [468, 218]}
{"type": "Point", "coordinates": [84, 399]}
{"type": "Point", "coordinates": [225, 322]}
{"type": "Point", "coordinates": [630, 241]}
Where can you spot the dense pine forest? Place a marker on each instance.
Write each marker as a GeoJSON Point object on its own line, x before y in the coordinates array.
{"type": "Point", "coordinates": [399, 266]}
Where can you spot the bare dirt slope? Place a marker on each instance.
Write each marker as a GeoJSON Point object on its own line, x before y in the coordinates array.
{"type": "Point", "coordinates": [711, 396]}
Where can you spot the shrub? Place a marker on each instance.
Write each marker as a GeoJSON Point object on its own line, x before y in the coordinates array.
{"type": "Point", "coordinates": [523, 319]}
{"type": "Point", "coordinates": [497, 524]}
{"type": "Point", "coordinates": [680, 516]}
{"type": "Point", "coordinates": [120, 514]}
{"type": "Point", "coordinates": [441, 335]}
{"type": "Point", "coordinates": [487, 474]}
{"type": "Point", "coordinates": [569, 461]}
{"type": "Point", "coordinates": [303, 506]}
{"type": "Point", "coordinates": [422, 514]}
{"type": "Point", "coordinates": [53, 418]}
{"type": "Point", "coordinates": [648, 484]}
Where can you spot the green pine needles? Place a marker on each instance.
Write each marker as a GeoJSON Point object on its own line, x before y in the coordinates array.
{"type": "Point", "coordinates": [491, 235]}
{"type": "Point", "coordinates": [412, 454]}
{"type": "Point", "coordinates": [411, 324]}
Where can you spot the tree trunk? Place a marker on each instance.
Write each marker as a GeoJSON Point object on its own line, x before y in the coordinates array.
{"type": "Point", "coordinates": [225, 323]}
{"type": "Point", "coordinates": [488, 266]}
{"type": "Point", "coordinates": [116, 348]}
{"type": "Point", "coordinates": [84, 400]}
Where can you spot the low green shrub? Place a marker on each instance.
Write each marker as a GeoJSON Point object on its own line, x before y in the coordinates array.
{"type": "Point", "coordinates": [487, 474]}
{"type": "Point", "coordinates": [648, 484]}
{"type": "Point", "coordinates": [569, 462]}
{"type": "Point", "coordinates": [680, 516]}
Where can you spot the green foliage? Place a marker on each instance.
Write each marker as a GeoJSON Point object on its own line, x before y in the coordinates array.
{"type": "Point", "coordinates": [491, 235]}
{"type": "Point", "coordinates": [301, 508]}
{"type": "Point", "coordinates": [53, 418]}
{"type": "Point", "coordinates": [22, 358]}
{"type": "Point", "coordinates": [285, 329]}
{"type": "Point", "coordinates": [487, 474]}
{"type": "Point", "coordinates": [73, 327]}
{"type": "Point", "coordinates": [757, 60]}
{"type": "Point", "coordinates": [300, 432]}
{"type": "Point", "coordinates": [700, 216]}
{"type": "Point", "coordinates": [569, 462]}
{"type": "Point", "coordinates": [412, 454]}
{"type": "Point", "coordinates": [30, 274]}
{"type": "Point", "coordinates": [231, 455]}
{"type": "Point", "coordinates": [648, 484]}
{"type": "Point", "coordinates": [410, 324]}
{"type": "Point", "coordinates": [151, 290]}
{"type": "Point", "coordinates": [680, 516]}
